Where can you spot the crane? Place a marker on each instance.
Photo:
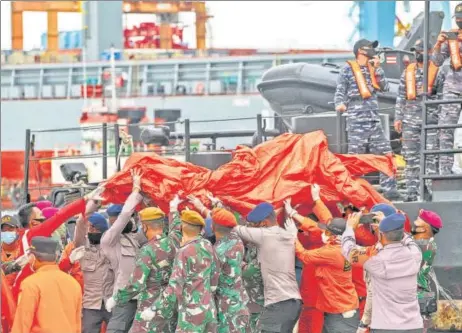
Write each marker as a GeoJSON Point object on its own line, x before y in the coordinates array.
{"type": "Point", "coordinates": [377, 19]}
{"type": "Point", "coordinates": [166, 9]}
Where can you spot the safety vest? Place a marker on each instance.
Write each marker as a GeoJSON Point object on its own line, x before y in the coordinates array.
{"type": "Point", "coordinates": [410, 79]}
{"type": "Point", "coordinates": [361, 80]}
{"type": "Point", "coordinates": [454, 51]}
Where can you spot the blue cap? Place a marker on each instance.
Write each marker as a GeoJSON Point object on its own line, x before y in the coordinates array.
{"type": "Point", "coordinates": [260, 212]}
{"type": "Point", "coordinates": [386, 209]}
{"type": "Point", "coordinates": [98, 221]}
{"type": "Point", "coordinates": [114, 210]}
{"type": "Point", "coordinates": [392, 222]}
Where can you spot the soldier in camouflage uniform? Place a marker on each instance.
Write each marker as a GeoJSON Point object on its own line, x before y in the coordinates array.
{"type": "Point", "coordinates": [253, 282]}
{"type": "Point", "coordinates": [408, 118]}
{"type": "Point", "coordinates": [231, 297]}
{"type": "Point", "coordinates": [193, 282]}
{"type": "Point", "coordinates": [356, 93]}
{"type": "Point", "coordinates": [153, 268]}
{"type": "Point", "coordinates": [450, 49]}
{"type": "Point", "coordinates": [424, 229]}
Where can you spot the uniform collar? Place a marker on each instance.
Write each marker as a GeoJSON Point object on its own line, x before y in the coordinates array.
{"type": "Point", "coordinates": [50, 267]}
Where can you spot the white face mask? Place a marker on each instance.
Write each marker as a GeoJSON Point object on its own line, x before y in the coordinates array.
{"type": "Point", "coordinates": [325, 238]}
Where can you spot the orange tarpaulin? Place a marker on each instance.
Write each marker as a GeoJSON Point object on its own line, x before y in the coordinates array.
{"type": "Point", "coordinates": [282, 168]}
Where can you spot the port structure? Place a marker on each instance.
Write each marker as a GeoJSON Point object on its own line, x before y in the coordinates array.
{"type": "Point", "coordinates": [167, 10]}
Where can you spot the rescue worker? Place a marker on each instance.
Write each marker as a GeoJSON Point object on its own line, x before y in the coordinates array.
{"type": "Point", "coordinates": [120, 246]}
{"type": "Point", "coordinates": [408, 118]}
{"type": "Point", "coordinates": [309, 235]}
{"type": "Point", "coordinates": [69, 262]}
{"type": "Point", "coordinates": [396, 263]}
{"type": "Point", "coordinates": [8, 305]}
{"type": "Point", "coordinates": [33, 224]}
{"type": "Point", "coordinates": [98, 277]}
{"type": "Point", "coordinates": [276, 247]}
{"type": "Point", "coordinates": [450, 48]}
{"type": "Point", "coordinates": [231, 297]}
{"type": "Point", "coordinates": [424, 229]}
{"type": "Point", "coordinates": [153, 268]}
{"type": "Point", "coordinates": [192, 283]}
{"type": "Point", "coordinates": [50, 300]}
{"type": "Point", "coordinates": [9, 238]}
{"type": "Point", "coordinates": [337, 297]}
{"type": "Point", "coordinates": [356, 93]}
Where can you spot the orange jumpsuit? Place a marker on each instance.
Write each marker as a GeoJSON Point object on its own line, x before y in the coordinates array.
{"type": "Point", "coordinates": [364, 237]}
{"type": "Point", "coordinates": [49, 301]}
{"type": "Point", "coordinates": [311, 319]}
{"type": "Point", "coordinates": [66, 266]}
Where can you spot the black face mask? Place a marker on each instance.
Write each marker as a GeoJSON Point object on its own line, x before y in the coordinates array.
{"type": "Point", "coordinates": [370, 53]}
{"type": "Point", "coordinates": [94, 237]}
{"type": "Point", "coordinates": [419, 57]}
{"type": "Point", "coordinates": [459, 24]}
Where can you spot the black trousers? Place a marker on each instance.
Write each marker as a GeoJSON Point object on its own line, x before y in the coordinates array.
{"type": "Point", "coordinates": [281, 317]}
{"type": "Point", "coordinates": [93, 319]}
{"type": "Point", "coordinates": [335, 323]}
{"type": "Point", "coordinates": [122, 318]}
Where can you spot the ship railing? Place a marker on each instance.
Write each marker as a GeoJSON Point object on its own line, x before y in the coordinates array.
{"type": "Point", "coordinates": [111, 147]}
{"type": "Point", "coordinates": [426, 127]}
{"type": "Point", "coordinates": [424, 152]}
{"type": "Point", "coordinates": [261, 133]}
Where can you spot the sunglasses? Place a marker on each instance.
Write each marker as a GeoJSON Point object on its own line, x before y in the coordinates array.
{"type": "Point", "coordinates": [40, 220]}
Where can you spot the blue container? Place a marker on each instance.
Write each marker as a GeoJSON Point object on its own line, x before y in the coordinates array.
{"type": "Point", "coordinates": [63, 40]}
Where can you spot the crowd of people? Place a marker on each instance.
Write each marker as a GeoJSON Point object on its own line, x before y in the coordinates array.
{"type": "Point", "coordinates": [208, 269]}
{"type": "Point", "coordinates": [356, 94]}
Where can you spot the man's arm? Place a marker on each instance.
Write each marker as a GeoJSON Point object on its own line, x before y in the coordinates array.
{"type": "Point", "coordinates": [81, 228]}
{"type": "Point", "coordinates": [27, 308]}
{"type": "Point", "coordinates": [400, 99]}
{"type": "Point", "coordinates": [138, 279]}
{"type": "Point", "coordinates": [250, 235]}
{"type": "Point", "coordinates": [440, 53]}
{"type": "Point", "coordinates": [215, 272]}
{"type": "Point", "coordinates": [342, 87]}
{"type": "Point", "coordinates": [409, 242]}
{"type": "Point", "coordinates": [46, 228]}
{"type": "Point", "coordinates": [355, 254]}
{"type": "Point", "coordinates": [321, 256]}
{"type": "Point", "coordinates": [381, 79]}
{"type": "Point", "coordinates": [113, 234]}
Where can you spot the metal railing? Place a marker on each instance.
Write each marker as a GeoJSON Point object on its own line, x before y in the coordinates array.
{"type": "Point", "coordinates": [425, 127]}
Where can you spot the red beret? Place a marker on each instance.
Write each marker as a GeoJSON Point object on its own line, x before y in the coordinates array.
{"type": "Point", "coordinates": [431, 218]}
{"type": "Point", "coordinates": [49, 212]}
{"type": "Point", "coordinates": [224, 218]}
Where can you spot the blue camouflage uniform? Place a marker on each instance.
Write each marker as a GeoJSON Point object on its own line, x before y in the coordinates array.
{"type": "Point", "coordinates": [363, 120]}
{"type": "Point", "coordinates": [450, 113]}
{"type": "Point", "coordinates": [410, 113]}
